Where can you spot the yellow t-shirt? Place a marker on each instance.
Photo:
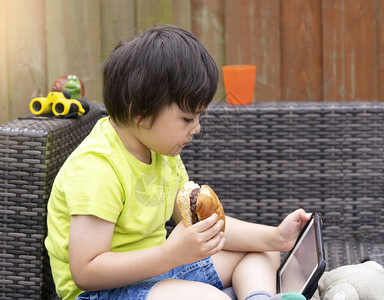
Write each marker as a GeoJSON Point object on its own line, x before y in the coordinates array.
{"type": "Point", "coordinates": [103, 179]}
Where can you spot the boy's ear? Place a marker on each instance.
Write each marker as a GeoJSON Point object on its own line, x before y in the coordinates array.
{"type": "Point", "coordinates": [141, 121]}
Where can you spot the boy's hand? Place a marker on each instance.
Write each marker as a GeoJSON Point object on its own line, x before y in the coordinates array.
{"type": "Point", "coordinates": [203, 239]}
{"type": "Point", "coordinates": [291, 227]}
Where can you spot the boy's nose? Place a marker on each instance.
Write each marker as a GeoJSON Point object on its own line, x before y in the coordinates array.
{"type": "Point", "coordinates": [196, 129]}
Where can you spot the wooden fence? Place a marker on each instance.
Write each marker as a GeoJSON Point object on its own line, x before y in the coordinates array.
{"type": "Point", "coordinates": [304, 50]}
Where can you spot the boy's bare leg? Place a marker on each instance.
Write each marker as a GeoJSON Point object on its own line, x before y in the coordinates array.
{"type": "Point", "coordinates": [248, 272]}
{"type": "Point", "coordinates": [226, 263]}
{"type": "Point", "coordinates": [186, 290]}
{"type": "Point", "coordinates": [256, 272]}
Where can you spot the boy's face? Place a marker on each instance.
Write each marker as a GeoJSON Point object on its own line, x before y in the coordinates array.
{"type": "Point", "coordinates": [171, 131]}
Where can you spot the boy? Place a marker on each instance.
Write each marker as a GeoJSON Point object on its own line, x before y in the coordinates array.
{"type": "Point", "coordinates": [112, 197]}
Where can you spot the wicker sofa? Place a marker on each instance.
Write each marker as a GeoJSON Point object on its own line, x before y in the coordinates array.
{"type": "Point", "coordinates": [32, 150]}
{"type": "Point", "coordinates": [263, 160]}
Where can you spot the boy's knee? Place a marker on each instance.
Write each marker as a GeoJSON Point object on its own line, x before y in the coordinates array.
{"type": "Point", "coordinates": [275, 258]}
{"type": "Point", "coordinates": [210, 292]}
{"type": "Point", "coordinates": [270, 258]}
{"type": "Point", "coordinates": [184, 289]}
{"type": "Point", "coordinates": [219, 296]}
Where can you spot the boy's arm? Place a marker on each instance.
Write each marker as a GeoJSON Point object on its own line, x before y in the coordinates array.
{"type": "Point", "coordinates": [176, 215]}
{"type": "Point", "coordinates": [250, 237]}
{"type": "Point", "coordinates": [94, 267]}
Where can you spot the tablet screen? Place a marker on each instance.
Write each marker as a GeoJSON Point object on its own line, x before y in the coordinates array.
{"type": "Point", "coordinates": [301, 264]}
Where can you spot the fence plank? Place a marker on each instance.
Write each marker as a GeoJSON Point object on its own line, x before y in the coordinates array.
{"type": "Point", "coordinates": [253, 37]}
{"type": "Point", "coordinates": [182, 14]}
{"type": "Point", "coordinates": [380, 48]}
{"type": "Point", "coordinates": [3, 66]}
{"type": "Point", "coordinates": [153, 12]}
{"type": "Point", "coordinates": [328, 50]}
{"type": "Point", "coordinates": [157, 12]}
{"type": "Point", "coordinates": [208, 26]}
{"type": "Point", "coordinates": [301, 67]}
{"type": "Point", "coordinates": [117, 23]}
{"type": "Point", "coordinates": [73, 43]}
{"type": "Point", "coordinates": [349, 39]}
{"type": "Point", "coordinates": [25, 54]}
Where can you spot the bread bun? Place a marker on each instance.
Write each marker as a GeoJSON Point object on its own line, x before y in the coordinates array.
{"type": "Point", "coordinates": [207, 203]}
{"type": "Point", "coordinates": [184, 203]}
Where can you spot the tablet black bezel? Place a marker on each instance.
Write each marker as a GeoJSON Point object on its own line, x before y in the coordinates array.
{"type": "Point", "coordinates": [311, 286]}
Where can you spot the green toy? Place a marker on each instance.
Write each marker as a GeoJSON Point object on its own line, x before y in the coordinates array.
{"type": "Point", "coordinates": [73, 86]}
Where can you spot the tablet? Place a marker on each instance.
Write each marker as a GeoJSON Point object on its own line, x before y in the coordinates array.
{"type": "Point", "coordinates": [305, 263]}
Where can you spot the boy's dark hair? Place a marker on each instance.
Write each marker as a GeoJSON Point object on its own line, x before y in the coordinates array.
{"type": "Point", "coordinates": [161, 66]}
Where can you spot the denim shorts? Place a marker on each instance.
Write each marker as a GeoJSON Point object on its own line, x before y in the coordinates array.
{"type": "Point", "coordinates": [200, 271]}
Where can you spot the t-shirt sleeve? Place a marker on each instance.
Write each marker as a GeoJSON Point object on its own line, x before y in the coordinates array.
{"type": "Point", "coordinates": [92, 188]}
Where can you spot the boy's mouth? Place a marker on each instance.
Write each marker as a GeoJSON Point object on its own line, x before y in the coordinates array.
{"type": "Point", "coordinates": [186, 143]}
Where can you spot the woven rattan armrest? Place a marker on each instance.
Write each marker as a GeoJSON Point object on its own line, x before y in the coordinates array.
{"type": "Point", "coordinates": [32, 150]}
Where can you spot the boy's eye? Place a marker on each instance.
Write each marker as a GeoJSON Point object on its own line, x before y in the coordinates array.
{"type": "Point", "coordinates": [187, 120]}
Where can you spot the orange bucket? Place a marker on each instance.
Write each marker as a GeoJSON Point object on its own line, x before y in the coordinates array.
{"type": "Point", "coordinates": [239, 83]}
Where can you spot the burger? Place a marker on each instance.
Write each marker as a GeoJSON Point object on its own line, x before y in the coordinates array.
{"type": "Point", "coordinates": [198, 203]}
